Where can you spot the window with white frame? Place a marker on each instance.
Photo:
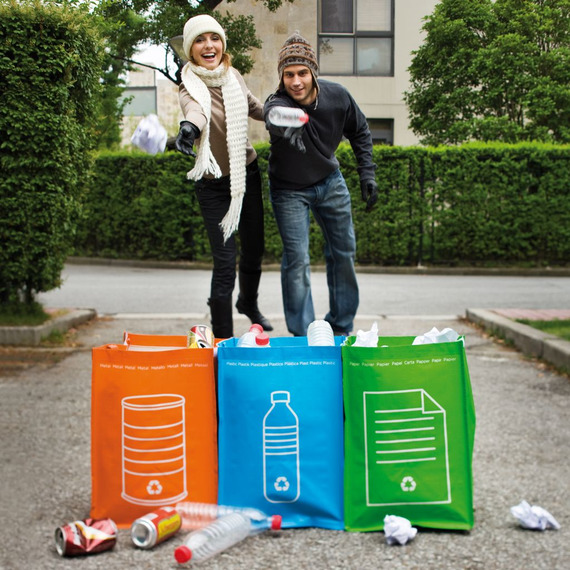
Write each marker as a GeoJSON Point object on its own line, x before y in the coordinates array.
{"type": "Point", "coordinates": [356, 37]}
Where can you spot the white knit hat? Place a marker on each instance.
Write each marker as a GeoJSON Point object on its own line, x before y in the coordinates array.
{"type": "Point", "coordinates": [201, 25]}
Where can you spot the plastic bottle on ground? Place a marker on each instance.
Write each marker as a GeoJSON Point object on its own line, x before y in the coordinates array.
{"type": "Point", "coordinates": [197, 515]}
{"type": "Point", "coordinates": [287, 117]}
{"type": "Point", "coordinates": [220, 535]}
{"type": "Point", "coordinates": [320, 333]}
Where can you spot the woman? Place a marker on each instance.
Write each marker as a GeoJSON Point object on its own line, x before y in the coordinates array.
{"type": "Point", "coordinates": [216, 104]}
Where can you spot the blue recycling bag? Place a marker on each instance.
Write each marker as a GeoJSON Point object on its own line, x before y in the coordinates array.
{"type": "Point", "coordinates": [280, 433]}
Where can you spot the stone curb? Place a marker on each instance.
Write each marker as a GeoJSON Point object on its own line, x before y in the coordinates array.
{"type": "Point", "coordinates": [32, 336]}
{"type": "Point", "coordinates": [528, 340]}
{"type": "Point", "coordinates": [395, 270]}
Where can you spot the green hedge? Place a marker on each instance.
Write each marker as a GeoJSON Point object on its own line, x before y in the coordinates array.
{"type": "Point", "coordinates": [50, 64]}
{"type": "Point", "coordinates": [479, 204]}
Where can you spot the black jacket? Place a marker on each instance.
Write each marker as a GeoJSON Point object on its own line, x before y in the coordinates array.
{"type": "Point", "coordinates": [333, 115]}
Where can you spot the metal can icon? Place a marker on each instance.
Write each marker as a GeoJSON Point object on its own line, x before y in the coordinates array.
{"type": "Point", "coordinates": [154, 449]}
{"type": "Point", "coordinates": [201, 336]}
{"type": "Point", "coordinates": [155, 527]}
{"type": "Point", "coordinates": [86, 536]}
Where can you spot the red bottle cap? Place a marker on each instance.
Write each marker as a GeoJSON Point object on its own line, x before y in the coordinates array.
{"type": "Point", "coordinates": [276, 522]}
{"type": "Point", "coordinates": [182, 554]}
{"type": "Point", "coordinates": [256, 327]}
{"type": "Point", "coordinates": [262, 339]}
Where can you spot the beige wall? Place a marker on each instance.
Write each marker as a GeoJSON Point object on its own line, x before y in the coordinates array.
{"type": "Point", "coordinates": [273, 29]}
{"type": "Point", "coordinates": [378, 97]}
{"type": "Point", "coordinates": [167, 107]}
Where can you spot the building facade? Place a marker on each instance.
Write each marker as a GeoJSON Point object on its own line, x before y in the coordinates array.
{"type": "Point", "coordinates": [365, 45]}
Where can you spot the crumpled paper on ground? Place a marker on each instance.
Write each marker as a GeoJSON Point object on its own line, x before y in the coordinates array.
{"type": "Point", "coordinates": [398, 530]}
{"type": "Point", "coordinates": [534, 517]}
{"type": "Point", "coordinates": [150, 135]}
{"type": "Point", "coordinates": [367, 338]}
{"type": "Point", "coordinates": [434, 335]}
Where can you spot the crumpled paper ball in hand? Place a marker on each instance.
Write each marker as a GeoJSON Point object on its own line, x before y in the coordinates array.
{"type": "Point", "coordinates": [534, 517]}
{"type": "Point", "coordinates": [398, 530]}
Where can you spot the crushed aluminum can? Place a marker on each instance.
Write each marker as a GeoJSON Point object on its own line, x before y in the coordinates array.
{"type": "Point", "coordinates": [201, 336]}
{"type": "Point", "coordinates": [155, 527]}
{"type": "Point", "coordinates": [86, 536]}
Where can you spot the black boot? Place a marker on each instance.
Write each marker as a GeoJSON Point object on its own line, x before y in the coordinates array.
{"type": "Point", "coordinates": [222, 320]}
{"type": "Point", "coordinates": [247, 299]}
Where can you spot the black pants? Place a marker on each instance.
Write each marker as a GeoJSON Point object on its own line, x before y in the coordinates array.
{"type": "Point", "coordinates": [214, 199]}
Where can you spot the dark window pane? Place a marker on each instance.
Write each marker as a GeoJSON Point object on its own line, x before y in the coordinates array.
{"type": "Point", "coordinates": [337, 16]}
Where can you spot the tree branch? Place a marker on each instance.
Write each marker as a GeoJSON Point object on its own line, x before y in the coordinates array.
{"type": "Point", "coordinates": [163, 71]}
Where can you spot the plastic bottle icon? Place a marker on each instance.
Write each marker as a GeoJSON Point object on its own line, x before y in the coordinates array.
{"type": "Point", "coordinates": [287, 117]}
{"type": "Point", "coordinates": [220, 535]}
{"type": "Point", "coordinates": [281, 474]}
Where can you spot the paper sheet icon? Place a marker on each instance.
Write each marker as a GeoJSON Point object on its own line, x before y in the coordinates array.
{"type": "Point", "coordinates": [406, 452]}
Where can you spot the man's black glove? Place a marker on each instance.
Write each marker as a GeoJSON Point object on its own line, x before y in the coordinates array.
{"type": "Point", "coordinates": [186, 137]}
{"type": "Point", "coordinates": [369, 190]}
{"type": "Point", "coordinates": [295, 138]}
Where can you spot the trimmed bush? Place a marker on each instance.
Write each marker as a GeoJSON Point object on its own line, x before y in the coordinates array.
{"type": "Point", "coordinates": [478, 204]}
{"type": "Point", "coordinates": [50, 64]}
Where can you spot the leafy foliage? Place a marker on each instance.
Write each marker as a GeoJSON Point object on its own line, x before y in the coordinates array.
{"type": "Point", "coordinates": [478, 204]}
{"type": "Point", "coordinates": [126, 25]}
{"type": "Point", "coordinates": [493, 70]}
{"type": "Point", "coordinates": [50, 64]}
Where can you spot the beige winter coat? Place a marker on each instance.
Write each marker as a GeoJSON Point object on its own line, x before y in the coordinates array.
{"type": "Point", "coordinates": [218, 137]}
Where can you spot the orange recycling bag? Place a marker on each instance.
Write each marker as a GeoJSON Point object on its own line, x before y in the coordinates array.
{"type": "Point", "coordinates": [153, 426]}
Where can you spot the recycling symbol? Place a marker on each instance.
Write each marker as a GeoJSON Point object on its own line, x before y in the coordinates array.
{"type": "Point", "coordinates": [281, 484]}
{"type": "Point", "coordinates": [408, 484]}
{"type": "Point", "coordinates": [154, 487]}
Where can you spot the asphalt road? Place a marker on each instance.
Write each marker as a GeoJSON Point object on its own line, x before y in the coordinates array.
{"type": "Point", "coordinates": [118, 290]}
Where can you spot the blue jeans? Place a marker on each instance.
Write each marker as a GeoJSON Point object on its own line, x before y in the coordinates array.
{"type": "Point", "coordinates": [329, 200]}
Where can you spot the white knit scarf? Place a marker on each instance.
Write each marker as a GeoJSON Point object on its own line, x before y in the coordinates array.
{"type": "Point", "coordinates": [197, 80]}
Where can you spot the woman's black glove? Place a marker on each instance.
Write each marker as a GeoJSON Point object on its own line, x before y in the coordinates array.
{"type": "Point", "coordinates": [186, 136]}
{"type": "Point", "coordinates": [369, 190]}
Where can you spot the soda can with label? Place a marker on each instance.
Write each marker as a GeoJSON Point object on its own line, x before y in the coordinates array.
{"type": "Point", "coordinates": [86, 536]}
{"type": "Point", "coordinates": [155, 527]}
{"type": "Point", "coordinates": [201, 336]}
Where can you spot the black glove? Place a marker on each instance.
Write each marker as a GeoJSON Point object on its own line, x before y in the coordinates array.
{"type": "Point", "coordinates": [186, 137]}
{"type": "Point", "coordinates": [369, 190]}
{"type": "Point", "coordinates": [295, 137]}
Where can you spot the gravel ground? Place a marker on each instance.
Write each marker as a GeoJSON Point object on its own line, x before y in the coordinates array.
{"type": "Point", "coordinates": [521, 452]}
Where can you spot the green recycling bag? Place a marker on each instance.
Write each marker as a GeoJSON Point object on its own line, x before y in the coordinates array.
{"type": "Point", "coordinates": [409, 431]}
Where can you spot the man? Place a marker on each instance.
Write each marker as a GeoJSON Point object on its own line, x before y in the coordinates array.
{"type": "Point", "coordinates": [304, 176]}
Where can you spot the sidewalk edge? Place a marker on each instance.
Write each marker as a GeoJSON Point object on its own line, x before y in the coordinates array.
{"type": "Point", "coordinates": [528, 340]}
{"type": "Point", "coordinates": [32, 336]}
